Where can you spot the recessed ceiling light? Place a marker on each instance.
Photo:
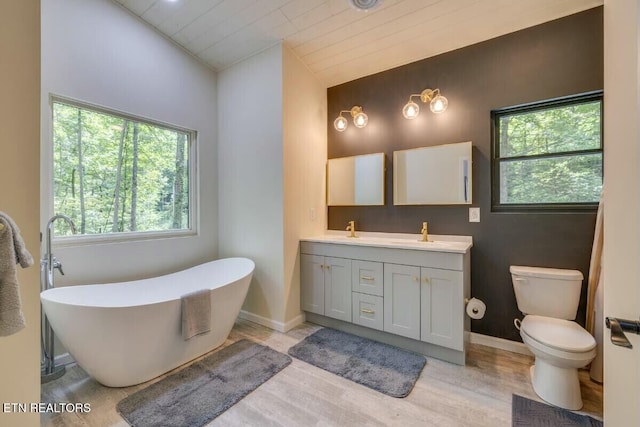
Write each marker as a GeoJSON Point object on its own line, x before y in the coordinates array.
{"type": "Point", "coordinates": [364, 4]}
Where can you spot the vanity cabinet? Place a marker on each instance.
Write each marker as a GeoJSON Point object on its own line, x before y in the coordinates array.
{"type": "Point", "coordinates": [407, 296]}
{"type": "Point", "coordinates": [327, 286]}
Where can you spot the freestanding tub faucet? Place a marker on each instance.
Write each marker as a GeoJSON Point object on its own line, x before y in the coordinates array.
{"type": "Point", "coordinates": [48, 370]}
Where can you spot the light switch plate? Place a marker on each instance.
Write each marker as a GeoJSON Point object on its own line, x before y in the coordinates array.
{"type": "Point", "coordinates": [474, 214]}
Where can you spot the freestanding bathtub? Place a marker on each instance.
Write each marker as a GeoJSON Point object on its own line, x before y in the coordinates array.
{"type": "Point", "coordinates": [127, 333]}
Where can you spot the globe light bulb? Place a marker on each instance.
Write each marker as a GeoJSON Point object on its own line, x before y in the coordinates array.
{"type": "Point", "coordinates": [360, 120]}
{"type": "Point", "coordinates": [439, 104]}
{"type": "Point", "coordinates": [410, 110]}
{"type": "Point", "coordinates": [340, 124]}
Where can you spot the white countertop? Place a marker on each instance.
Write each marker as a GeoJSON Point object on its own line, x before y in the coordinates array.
{"type": "Point", "coordinates": [438, 243]}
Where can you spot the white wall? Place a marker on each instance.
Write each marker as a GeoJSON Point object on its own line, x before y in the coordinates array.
{"type": "Point", "coordinates": [19, 195]}
{"type": "Point", "coordinates": [272, 154]}
{"type": "Point", "coordinates": [304, 158]}
{"type": "Point", "coordinates": [250, 175]}
{"type": "Point", "coordinates": [621, 263]}
{"type": "Point", "coordinates": [95, 51]}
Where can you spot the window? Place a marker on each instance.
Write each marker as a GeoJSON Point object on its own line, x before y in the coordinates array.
{"type": "Point", "coordinates": [548, 155]}
{"type": "Point", "coordinates": [114, 173]}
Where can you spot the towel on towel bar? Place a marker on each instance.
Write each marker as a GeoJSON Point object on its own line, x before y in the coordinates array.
{"type": "Point", "coordinates": [12, 252]}
{"type": "Point", "coordinates": [196, 313]}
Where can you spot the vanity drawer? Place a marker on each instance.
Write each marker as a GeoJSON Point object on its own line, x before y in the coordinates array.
{"type": "Point", "coordinates": [368, 310]}
{"type": "Point", "coordinates": [367, 277]}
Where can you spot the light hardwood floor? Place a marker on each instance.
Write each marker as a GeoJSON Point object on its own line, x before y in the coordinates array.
{"type": "Point", "coordinates": [478, 394]}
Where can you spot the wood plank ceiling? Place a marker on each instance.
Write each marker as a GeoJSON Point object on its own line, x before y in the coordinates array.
{"type": "Point", "coordinates": [337, 42]}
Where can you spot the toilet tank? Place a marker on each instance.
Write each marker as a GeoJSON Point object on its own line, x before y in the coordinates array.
{"type": "Point", "coordinates": [550, 292]}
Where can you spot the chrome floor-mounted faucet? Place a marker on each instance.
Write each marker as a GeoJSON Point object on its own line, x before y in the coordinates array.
{"type": "Point", "coordinates": [48, 370]}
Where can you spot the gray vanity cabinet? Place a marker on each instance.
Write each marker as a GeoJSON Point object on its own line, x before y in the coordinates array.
{"type": "Point", "coordinates": [326, 286]}
{"type": "Point", "coordinates": [398, 293]}
{"type": "Point", "coordinates": [402, 300]}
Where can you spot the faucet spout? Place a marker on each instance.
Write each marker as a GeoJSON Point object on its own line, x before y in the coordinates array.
{"type": "Point", "coordinates": [352, 229]}
{"type": "Point", "coordinates": [425, 232]}
{"type": "Point", "coordinates": [50, 262]}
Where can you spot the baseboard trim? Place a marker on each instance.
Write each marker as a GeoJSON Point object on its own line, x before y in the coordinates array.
{"type": "Point", "coordinates": [64, 359]}
{"type": "Point", "coordinates": [270, 323]}
{"type": "Point", "coordinates": [501, 343]}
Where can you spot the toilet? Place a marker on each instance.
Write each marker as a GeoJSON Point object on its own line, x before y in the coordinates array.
{"type": "Point", "coordinates": [549, 298]}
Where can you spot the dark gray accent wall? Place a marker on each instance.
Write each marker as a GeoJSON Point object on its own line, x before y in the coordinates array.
{"type": "Point", "coordinates": [558, 58]}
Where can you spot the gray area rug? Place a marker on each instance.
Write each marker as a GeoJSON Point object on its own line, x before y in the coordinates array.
{"type": "Point", "coordinates": [382, 367]}
{"type": "Point", "coordinates": [195, 395]}
{"type": "Point", "coordinates": [527, 412]}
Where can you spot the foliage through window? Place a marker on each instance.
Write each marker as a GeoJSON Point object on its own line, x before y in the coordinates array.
{"type": "Point", "coordinates": [118, 174]}
{"type": "Point", "coordinates": [548, 155]}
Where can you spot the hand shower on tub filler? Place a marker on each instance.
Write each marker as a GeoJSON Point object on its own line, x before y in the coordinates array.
{"type": "Point", "coordinates": [48, 369]}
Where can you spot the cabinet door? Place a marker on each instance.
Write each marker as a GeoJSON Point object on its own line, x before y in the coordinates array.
{"type": "Point", "coordinates": [312, 283]}
{"type": "Point", "coordinates": [402, 300]}
{"type": "Point", "coordinates": [337, 288]}
{"type": "Point", "coordinates": [442, 308]}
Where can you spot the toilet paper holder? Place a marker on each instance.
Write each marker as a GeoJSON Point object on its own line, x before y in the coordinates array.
{"type": "Point", "coordinates": [474, 310]}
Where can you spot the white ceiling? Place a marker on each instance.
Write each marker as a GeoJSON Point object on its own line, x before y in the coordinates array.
{"type": "Point", "coordinates": [337, 42]}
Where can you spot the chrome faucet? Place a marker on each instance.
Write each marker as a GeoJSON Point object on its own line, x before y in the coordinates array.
{"type": "Point", "coordinates": [352, 228]}
{"type": "Point", "coordinates": [49, 261]}
{"type": "Point", "coordinates": [48, 369]}
{"type": "Point", "coordinates": [425, 232]}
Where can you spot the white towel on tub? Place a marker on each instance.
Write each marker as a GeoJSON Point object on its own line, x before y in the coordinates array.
{"type": "Point", "coordinates": [196, 313]}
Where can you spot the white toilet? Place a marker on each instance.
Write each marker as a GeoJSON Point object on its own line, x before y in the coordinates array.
{"type": "Point", "coordinates": [549, 298]}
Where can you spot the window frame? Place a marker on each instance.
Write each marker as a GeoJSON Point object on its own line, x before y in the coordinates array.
{"type": "Point", "coordinates": [194, 191]}
{"type": "Point", "coordinates": [496, 205]}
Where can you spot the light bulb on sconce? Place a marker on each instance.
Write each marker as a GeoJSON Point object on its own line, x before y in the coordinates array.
{"type": "Point", "coordinates": [360, 119]}
{"type": "Point", "coordinates": [411, 110]}
{"type": "Point", "coordinates": [340, 124]}
{"type": "Point", "coordinates": [437, 103]}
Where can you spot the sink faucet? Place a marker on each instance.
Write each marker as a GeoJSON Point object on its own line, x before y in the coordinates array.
{"type": "Point", "coordinates": [352, 228]}
{"type": "Point", "coordinates": [425, 232]}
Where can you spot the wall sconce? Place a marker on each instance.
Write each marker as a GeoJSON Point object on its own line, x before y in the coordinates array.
{"type": "Point", "coordinates": [438, 103]}
{"type": "Point", "coordinates": [360, 119]}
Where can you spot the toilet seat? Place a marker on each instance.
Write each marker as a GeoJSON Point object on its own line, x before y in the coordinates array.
{"type": "Point", "coordinates": [559, 334]}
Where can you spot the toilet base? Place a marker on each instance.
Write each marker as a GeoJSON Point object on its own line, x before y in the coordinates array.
{"type": "Point", "coordinates": [557, 386]}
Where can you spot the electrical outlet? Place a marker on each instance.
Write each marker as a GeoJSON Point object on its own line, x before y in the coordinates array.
{"type": "Point", "coordinates": [474, 214]}
{"type": "Point", "coordinates": [312, 214]}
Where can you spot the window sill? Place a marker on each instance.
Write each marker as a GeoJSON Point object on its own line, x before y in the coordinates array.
{"type": "Point", "coordinates": [92, 239]}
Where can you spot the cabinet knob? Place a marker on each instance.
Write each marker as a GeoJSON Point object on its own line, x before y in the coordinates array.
{"type": "Point", "coordinates": [415, 279]}
{"type": "Point", "coordinates": [328, 267]}
{"type": "Point", "coordinates": [426, 280]}
{"type": "Point", "coordinates": [321, 265]}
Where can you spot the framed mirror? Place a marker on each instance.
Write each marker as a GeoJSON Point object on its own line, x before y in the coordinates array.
{"type": "Point", "coordinates": [438, 175]}
{"type": "Point", "coordinates": [356, 180]}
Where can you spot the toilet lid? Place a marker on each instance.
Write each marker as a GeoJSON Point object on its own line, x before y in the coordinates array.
{"type": "Point", "coordinates": [560, 334]}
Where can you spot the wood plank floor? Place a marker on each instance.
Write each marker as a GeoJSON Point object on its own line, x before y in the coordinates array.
{"type": "Point", "coordinates": [478, 394]}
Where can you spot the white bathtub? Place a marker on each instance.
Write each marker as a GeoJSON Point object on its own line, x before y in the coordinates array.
{"type": "Point", "coordinates": [127, 333]}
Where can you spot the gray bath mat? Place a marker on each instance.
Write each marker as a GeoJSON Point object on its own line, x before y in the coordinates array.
{"type": "Point", "coordinates": [527, 412]}
{"type": "Point", "coordinates": [381, 367]}
{"type": "Point", "coordinates": [200, 392]}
